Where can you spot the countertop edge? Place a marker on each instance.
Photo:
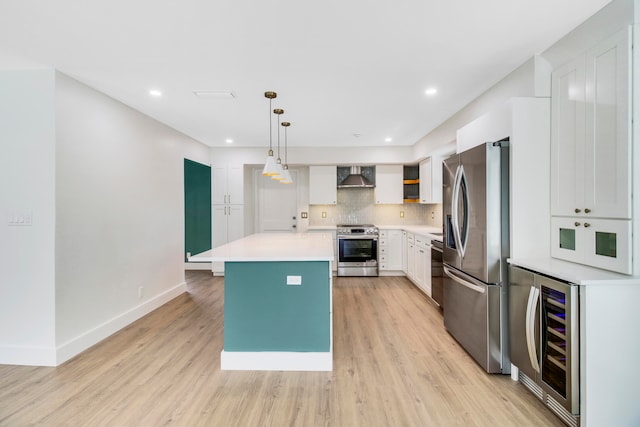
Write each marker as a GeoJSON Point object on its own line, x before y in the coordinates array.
{"type": "Point", "coordinates": [574, 273]}
{"type": "Point", "coordinates": [422, 230]}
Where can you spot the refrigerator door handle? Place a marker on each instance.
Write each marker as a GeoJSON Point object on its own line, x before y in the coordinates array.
{"type": "Point", "coordinates": [454, 212]}
{"type": "Point", "coordinates": [453, 276]}
{"type": "Point", "coordinates": [465, 226]}
{"type": "Point", "coordinates": [532, 306]}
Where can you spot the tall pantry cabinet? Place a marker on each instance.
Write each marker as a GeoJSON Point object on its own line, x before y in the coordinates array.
{"type": "Point", "coordinates": [227, 210]}
{"type": "Point", "coordinates": [591, 166]}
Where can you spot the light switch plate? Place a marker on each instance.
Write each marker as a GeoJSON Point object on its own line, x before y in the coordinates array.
{"type": "Point", "coordinates": [20, 219]}
{"type": "Point", "coordinates": [294, 280]}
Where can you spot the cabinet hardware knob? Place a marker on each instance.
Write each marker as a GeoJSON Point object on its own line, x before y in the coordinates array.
{"type": "Point", "coordinates": [586, 224]}
{"type": "Point", "coordinates": [587, 210]}
{"type": "Point", "coordinates": [577, 224]}
{"type": "Point", "coordinates": [578, 210]}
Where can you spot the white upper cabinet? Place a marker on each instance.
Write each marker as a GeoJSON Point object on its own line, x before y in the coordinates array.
{"type": "Point", "coordinates": [323, 185]}
{"type": "Point", "coordinates": [591, 127]}
{"type": "Point", "coordinates": [227, 186]}
{"type": "Point", "coordinates": [431, 180]}
{"type": "Point", "coordinates": [389, 184]}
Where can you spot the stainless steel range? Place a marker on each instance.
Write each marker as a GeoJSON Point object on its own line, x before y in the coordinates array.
{"type": "Point", "coordinates": [357, 250]}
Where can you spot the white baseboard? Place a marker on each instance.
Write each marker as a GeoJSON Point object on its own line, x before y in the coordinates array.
{"type": "Point", "coordinates": [27, 356]}
{"type": "Point", "coordinates": [93, 336]}
{"type": "Point", "coordinates": [275, 361]}
{"type": "Point", "coordinates": [395, 273]}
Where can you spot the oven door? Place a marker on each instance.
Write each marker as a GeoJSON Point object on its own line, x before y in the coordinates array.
{"type": "Point", "coordinates": [357, 256]}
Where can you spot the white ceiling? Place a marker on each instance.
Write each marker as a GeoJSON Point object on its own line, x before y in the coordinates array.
{"type": "Point", "coordinates": [340, 67]}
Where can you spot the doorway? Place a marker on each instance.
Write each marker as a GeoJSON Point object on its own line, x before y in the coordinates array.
{"type": "Point", "coordinates": [197, 207]}
{"type": "Point", "coordinates": [277, 204]}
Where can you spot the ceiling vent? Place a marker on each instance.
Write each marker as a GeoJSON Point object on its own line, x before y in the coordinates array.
{"type": "Point", "coordinates": [214, 94]}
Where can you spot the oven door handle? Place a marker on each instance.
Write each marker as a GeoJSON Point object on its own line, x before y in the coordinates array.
{"type": "Point", "coordinates": [351, 237]}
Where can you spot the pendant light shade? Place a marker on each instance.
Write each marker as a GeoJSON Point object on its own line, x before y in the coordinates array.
{"type": "Point", "coordinates": [270, 167]}
{"type": "Point", "coordinates": [287, 176]}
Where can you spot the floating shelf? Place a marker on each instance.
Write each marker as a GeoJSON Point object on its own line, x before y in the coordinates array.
{"type": "Point", "coordinates": [412, 200]}
{"type": "Point", "coordinates": [412, 181]}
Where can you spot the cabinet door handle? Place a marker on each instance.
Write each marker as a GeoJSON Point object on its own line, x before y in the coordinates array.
{"type": "Point", "coordinates": [577, 224]}
{"type": "Point", "coordinates": [577, 210]}
{"type": "Point", "coordinates": [587, 225]}
{"type": "Point", "coordinates": [587, 210]}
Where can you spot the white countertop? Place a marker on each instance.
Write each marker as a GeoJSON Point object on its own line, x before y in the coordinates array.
{"type": "Point", "coordinates": [273, 247]}
{"type": "Point", "coordinates": [430, 232]}
{"type": "Point", "coordinates": [575, 273]}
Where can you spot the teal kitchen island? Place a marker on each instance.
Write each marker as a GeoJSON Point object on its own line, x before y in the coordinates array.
{"type": "Point", "coordinates": [277, 301]}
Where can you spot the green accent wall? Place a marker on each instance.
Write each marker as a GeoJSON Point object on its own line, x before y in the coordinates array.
{"type": "Point", "coordinates": [263, 313]}
{"type": "Point", "coordinates": [197, 207]}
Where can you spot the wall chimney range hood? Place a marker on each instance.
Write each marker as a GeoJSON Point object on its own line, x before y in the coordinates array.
{"type": "Point", "coordinates": [355, 180]}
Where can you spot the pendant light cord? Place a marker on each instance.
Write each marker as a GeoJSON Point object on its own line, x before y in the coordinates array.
{"type": "Point", "coordinates": [270, 126]}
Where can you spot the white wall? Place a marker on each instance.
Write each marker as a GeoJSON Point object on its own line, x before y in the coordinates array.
{"type": "Point", "coordinates": [27, 179]}
{"type": "Point", "coordinates": [104, 184]}
{"type": "Point", "coordinates": [120, 214]}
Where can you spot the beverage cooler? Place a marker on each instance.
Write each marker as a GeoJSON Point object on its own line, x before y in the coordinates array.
{"type": "Point", "coordinates": [544, 340]}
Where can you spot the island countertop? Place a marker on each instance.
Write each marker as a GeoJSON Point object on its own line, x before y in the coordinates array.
{"type": "Point", "coordinates": [272, 247]}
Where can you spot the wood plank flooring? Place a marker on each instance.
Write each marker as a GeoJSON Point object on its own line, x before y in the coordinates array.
{"type": "Point", "coordinates": [394, 365]}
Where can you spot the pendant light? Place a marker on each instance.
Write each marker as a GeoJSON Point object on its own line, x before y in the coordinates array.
{"type": "Point", "coordinates": [287, 175]}
{"type": "Point", "coordinates": [270, 166]}
{"type": "Point", "coordinates": [280, 175]}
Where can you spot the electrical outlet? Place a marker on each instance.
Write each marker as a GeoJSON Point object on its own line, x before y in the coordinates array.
{"type": "Point", "coordinates": [401, 214]}
{"type": "Point", "coordinates": [324, 214]}
{"type": "Point", "coordinates": [140, 292]}
{"type": "Point", "coordinates": [304, 215]}
{"type": "Point", "coordinates": [433, 215]}
{"type": "Point", "coordinates": [294, 280]}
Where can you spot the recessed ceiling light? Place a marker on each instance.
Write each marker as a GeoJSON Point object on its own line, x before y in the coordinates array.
{"type": "Point", "coordinates": [228, 141]}
{"type": "Point", "coordinates": [388, 140]}
{"type": "Point", "coordinates": [214, 94]}
{"type": "Point", "coordinates": [431, 91]}
{"type": "Point", "coordinates": [155, 92]}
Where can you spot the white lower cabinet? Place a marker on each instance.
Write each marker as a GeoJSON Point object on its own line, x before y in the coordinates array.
{"type": "Point", "coordinates": [418, 266]}
{"type": "Point", "coordinates": [390, 252]}
{"type": "Point", "coordinates": [411, 257]}
{"type": "Point", "coordinates": [422, 277]}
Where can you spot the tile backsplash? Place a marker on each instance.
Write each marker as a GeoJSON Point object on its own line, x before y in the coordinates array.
{"type": "Point", "coordinates": [357, 206]}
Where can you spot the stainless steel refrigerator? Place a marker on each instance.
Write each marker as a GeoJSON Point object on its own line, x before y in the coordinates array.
{"type": "Point", "coordinates": [476, 246]}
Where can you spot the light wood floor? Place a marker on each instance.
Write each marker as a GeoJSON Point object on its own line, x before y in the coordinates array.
{"type": "Point", "coordinates": [394, 365]}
